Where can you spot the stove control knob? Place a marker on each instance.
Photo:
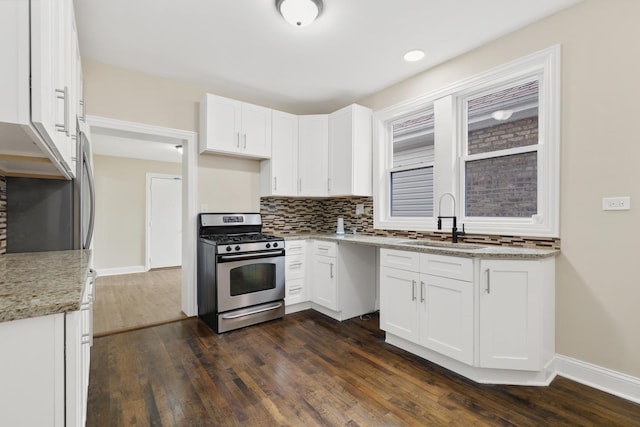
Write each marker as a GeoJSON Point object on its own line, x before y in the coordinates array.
{"type": "Point", "coordinates": [228, 248]}
{"type": "Point", "coordinates": [275, 245]}
{"type": "Point", "coordinates": [237, 248]}
{"type": "Point", "coordinates": [268, 245]}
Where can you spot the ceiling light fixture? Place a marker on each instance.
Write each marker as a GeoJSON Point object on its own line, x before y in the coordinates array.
{"type": "Point", "coordinates": [502, 115]}
{"type": "Point", "coordinates": [414, 55]}
{"type": "Point", "coordinates": [299, 12]}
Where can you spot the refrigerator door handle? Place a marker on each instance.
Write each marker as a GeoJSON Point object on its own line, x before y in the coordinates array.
{"type": "Point", "coordinates": [92, 197]}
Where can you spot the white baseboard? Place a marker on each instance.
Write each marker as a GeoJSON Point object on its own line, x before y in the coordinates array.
{"type": "Point", "coordinates": [120, 270]}
{"type": "Point", "coordinates": [604, 379]}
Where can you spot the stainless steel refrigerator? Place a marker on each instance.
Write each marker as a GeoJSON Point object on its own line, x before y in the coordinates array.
{"type": "Point", "coordinates": [51, 214]}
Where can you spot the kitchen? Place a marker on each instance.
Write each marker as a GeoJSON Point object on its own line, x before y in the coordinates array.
{"type": "Point", "coordinates": [595, 302]}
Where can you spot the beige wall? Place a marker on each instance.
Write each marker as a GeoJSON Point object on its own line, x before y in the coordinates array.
{"type": "Point", "coordinates": [597, 285]}
{"type": "Point", "coordinates": [113, 92]}
{"type": "Point", "coordinates": [119, 239]}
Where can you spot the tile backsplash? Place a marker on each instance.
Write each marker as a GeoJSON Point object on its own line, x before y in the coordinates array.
{"type": "Point", "coordinates": [284, 215]}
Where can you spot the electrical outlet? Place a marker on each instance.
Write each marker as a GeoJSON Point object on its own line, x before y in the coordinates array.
{"type": "Point", "coordinates": [359, 208]}
{"type": "Point", "coordinates": [616, 203]}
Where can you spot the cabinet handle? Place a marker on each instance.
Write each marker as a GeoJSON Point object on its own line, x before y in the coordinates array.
{"type": "Point", "coordinates": [64, 95]}
{"type": "Point", "coordinates": [275, 183]}
{"type": "Point", "coordinates": [421, 291]}
{"type": "Point", "coordinates": [300, 184]}
{"type": "Point", "coordinates": [328, 184]}
{"type": "Point", "coordinates": [488, 288]}
{"type": "Point", "coordinates": [413, 290]}
{"type": "Point", "coordinates": [245, 140]}
{"type": "Point", "coordinates": [238, 139]}
{"type": "Point", "coordinates": [295, 265]}
{"type": "Point", "coordinates": [331, 265]}
{"type": "Point", "coordinates": [83, 116]}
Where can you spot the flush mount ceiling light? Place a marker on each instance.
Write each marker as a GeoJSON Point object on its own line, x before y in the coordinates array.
{"type": "Point", "coordinates": [414, 55]}
{"type": "Point", "coordinates": [299, 12]}
{"type": "Point", "coordinates": [502, 115]}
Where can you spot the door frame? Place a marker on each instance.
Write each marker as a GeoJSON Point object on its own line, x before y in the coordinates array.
{"type": "Point", "coordinates": [147, 238]}
{"type": "Point", "coordinates": [189, 141]}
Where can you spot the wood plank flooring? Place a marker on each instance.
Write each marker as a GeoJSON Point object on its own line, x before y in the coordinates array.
{"type": "Point", "coordinates": [309, 370]}
{"type": "Point", "coordinates": [131, 301]}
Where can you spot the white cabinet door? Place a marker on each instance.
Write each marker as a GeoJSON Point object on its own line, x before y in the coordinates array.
{"type": "Point", "coordinates": [325, 290]}
{"type": "Point", "coordinates": [220, 124]}
{"type": "Point", "coordinates": [350, 151]}
{"type": "Point", "coordinates": [510, 315]}
{"type": "Point", "coordinates": [313, 132]}
{"type": "Point", "coordinates": [234, 128]}
{"type": "Point", "coordinates": [256, 131]}
{"type": "Point", "coordinates": [446, 316]}
{"type": "Point", "coordinates": [32, 371]}
{"type": "Point", "coordinates": [399, 303]}
{"type": "Point", "coordinates": [279, 175]}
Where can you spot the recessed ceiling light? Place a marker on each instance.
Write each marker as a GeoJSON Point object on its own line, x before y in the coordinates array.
{"type": "Point", "coordinates": [502, 115]}
{"type": "Point", "coordinates": [414, 55]}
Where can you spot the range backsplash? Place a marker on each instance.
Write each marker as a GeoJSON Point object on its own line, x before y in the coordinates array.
{"type": "Point", "coordinates": [283, 215]}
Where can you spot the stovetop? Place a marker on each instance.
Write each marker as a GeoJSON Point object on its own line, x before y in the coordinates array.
{"type": "Point", "coordinates": [222, 239]}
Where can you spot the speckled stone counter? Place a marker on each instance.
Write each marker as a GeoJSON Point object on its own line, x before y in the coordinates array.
{"type": "Point", "coordinates": [41, 283]}
{"type": "Point", "coordinates": [434, 247]}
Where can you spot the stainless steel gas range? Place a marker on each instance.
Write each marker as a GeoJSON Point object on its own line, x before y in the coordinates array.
{"type": "Point", "coordinates": [240, 271]}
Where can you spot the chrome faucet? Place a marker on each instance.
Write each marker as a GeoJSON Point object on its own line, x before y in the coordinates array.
{"type": "Point", "coordinates": [454, 231]}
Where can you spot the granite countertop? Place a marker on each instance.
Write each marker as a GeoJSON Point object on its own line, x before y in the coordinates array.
{"type": "Point", "coordinates": [434, 247]}
{"type": "Point", "coordinates": [41, 283]}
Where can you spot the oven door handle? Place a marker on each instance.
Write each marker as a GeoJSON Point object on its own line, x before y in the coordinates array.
{"type": "Point", "coordinates": [254, 255]}
{"type": "Point", "coordinates": [260, 310]}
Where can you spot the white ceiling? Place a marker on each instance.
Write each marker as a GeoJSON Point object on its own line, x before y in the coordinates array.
{"type": "Point", "coordinates": [244, 49]}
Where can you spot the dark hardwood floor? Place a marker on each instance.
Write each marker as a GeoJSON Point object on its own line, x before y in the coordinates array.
{"type": "Point", "coordinates": [310, 370]}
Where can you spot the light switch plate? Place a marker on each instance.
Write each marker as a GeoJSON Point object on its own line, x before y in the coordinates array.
{"type": "Point", "coordinates": [359, 208]}
{"type": "Point", "coordinates": [616, 203]}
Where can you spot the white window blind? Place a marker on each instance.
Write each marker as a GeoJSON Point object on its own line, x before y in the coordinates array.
{"type": "Point", "coordinates": [412, 172]}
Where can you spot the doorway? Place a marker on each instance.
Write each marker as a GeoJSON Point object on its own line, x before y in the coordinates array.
{"type": "Point", "coordinates": [188, 141]}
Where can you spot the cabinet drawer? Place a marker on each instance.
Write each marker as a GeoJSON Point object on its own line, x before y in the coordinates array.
{"type": "Point", "coordinates": [295, 247]}
{"type": "Point", "coordinates": [296, 292]}
{"type": "Point", "coordinates": [325, 248]}
{"type": "Point", "coordinates": [447, 266]}
{"type": "Point", "coordinates": [403, 260]}
{"type": "Point", "coordinates": [294, 267]}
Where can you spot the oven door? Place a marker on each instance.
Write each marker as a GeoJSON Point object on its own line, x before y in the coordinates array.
{"type": "Point", "coordinates": [244, 280]}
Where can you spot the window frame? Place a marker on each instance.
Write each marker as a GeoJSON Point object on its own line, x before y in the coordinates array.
{"type": "Point", "coordinates": [450, 148]}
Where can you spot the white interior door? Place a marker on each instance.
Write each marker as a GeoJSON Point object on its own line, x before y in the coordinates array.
{"type": "Point", "coordinates": [165, 224]}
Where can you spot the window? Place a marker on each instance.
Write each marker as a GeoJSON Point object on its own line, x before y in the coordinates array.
{"type": "Point", "coordinates": [411, 174]}
{"type": "Point", "coordinates": [491, 140]}
{"type": "Point", "coordinates": [500, 163]}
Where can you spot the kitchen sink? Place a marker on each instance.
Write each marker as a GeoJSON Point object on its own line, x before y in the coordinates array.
{"type": "Point", "coordinates": [443, 245]}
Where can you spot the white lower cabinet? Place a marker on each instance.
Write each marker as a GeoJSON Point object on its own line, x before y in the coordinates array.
{"type": "Point", "coordinates": [493, 316]}
{"type": "Point", "coordinates": [398, 302]}
{"type": "Point", "coordinates": [432, 311]}
{"type": "Point", "coordinates": [343, 283]}
{"type": "Point", "coordinates": [516, 315]}
{"type": "Point", "coordinates": [446, 316]}
{"type": "Point", "coordinates": [44, 367]}
{"type": "Point", "coordinates": [296, 290]}
{"type": "Point", "coordinates": [325, 283]}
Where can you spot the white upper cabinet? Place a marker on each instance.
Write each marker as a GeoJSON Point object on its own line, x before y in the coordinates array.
{"type": "Point", "coordinates": [313, 131]}
{"type": "Point", "coordinates": [350, 151]}
{"type": "Point", "coordinates": [38, 40]}
{"type": "Point", "coordinates": [234, 128]}
{"type": "Point", "coordinates": [279, 175]}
